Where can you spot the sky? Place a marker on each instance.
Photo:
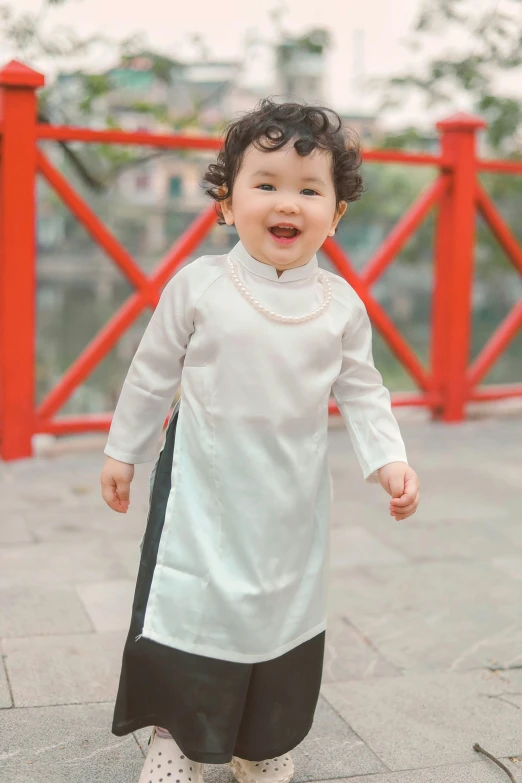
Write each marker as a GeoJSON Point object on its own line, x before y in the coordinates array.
{"type": "Point", "coordinates": [383, 26]}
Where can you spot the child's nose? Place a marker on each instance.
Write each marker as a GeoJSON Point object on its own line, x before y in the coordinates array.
{"type": "Point", "coordinates": [289, 206]}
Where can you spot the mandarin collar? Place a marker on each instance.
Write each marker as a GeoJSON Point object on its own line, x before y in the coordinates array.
{"type": "Point", "coordinates": [241, 254]}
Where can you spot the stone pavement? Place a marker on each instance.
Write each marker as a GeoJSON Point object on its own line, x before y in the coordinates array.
{"type": "Point", "coordinates": [424, 651]}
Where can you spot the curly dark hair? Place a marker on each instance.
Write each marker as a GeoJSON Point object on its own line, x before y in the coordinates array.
{"type": "Point", "coordinates": [272, 125]}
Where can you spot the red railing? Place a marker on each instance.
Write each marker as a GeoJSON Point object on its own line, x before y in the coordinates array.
{"type": "Point", "coordinates": [445, 387]}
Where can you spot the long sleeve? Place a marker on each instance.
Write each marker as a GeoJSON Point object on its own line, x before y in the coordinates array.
{"type": "Point", "coordinates": [153, 377]}
{"type": "Point", "coordinates": [364, 402]}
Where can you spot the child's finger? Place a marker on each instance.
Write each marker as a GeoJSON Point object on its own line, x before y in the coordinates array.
{"type": "Point", "coordinates": [411, 489]}
{"type": "Point", "coordinates": [403, 514]}
{"type": "Point", "coordinates": [123, 491]}
{"type": "Point", "coordinates": [411, 484]}
{"type": "Point", "coordinates": [401, 517]}
{"type": "Point", "coordinates": [405, 511]}
{"type": "Point", "coordinates": [404, 500]}
{"type": "Point", "coordinates": [408, 501]}
{"type": "Point", "coordinates": [397, 486]}
{"type": "Point", "coordinates": [110, 497]}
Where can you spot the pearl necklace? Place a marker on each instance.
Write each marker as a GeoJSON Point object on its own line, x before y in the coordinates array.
{"type": "Point", "coordinates": [287, 319]}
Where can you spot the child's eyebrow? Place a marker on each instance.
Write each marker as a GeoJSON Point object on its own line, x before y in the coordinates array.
{"type": "Point", "coordinates": [273, 174]}
{"type": "Point", "coordinates": [317, 180]}
{"type": "Point", "coordinates": [263, 173]}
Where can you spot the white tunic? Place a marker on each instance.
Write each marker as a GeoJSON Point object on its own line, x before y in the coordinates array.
{"type": "Point", "coordinates": [242, 562]}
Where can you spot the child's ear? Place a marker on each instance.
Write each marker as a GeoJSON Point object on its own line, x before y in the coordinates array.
{"type": "Point", "coordinates": [226, 208]}
{"type": "Point", "coordinates": [339, 212]}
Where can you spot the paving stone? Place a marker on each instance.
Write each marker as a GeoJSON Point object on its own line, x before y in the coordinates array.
{"type": "Point", "coordinates": [433, 615]}
{"type": "Point", "coordinates": [331, 750]}
{"type": "Point", "coordinates": [142, 737]}
{"type": "Point", "coordinates": [508, 468]}
{"type": "Point", "coordinates": [108, 604]}
{"type": "Point", "coordinates": [394, 622]}
{"type": "Point", "coordinates": [128, 555]}
{"type": "Point", "coordinates": [70, 480]}
{"type": "Point", "coordinates": [420, 540]}
{"type": "Point", "coordinates": [33, 493]}
{"type": "Point", "coordinates": [353, 546]}
{"type": "Point", "coordinates": [481, 772]}
{"type": "Point", "coordinates": [509, 565]}
{"type": "Point", "coordinates": [469, 492]}
{"type": "Point", "coordinates": [5, 696]}
{"type": "Point", "coordinates": [433, 719]}
{"type": "Point", "coordinates": [51, 670]}
{"type": "Point", "coordinates": [88, 523]}
{"type": "Point", "coordinates": [433, 445]}
{"type": "Point", "coordinates": [13, 528]}
{"type": "Point", "coordinates": [358, 506]}
{"type": "Point", "coordinates": [355, 512]}
{"type": "Point", "coordinates": [31, 564]}
{"type": "Point", "coordinates": [509, 528]}
{"type": "Point", "coordinates": [349, 656]}
{"type": "Point", "coordinates": [41, 610]}
{"type": "Point", "coordinates": [474, 494]}
{"type": "Point", "coordinates": [70, 744]}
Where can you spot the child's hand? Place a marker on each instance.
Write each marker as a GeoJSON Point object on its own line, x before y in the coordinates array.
{"type": "Point", "coordinates": [402, 483]}
{"type": "Point", "coordinates": [116, 478]}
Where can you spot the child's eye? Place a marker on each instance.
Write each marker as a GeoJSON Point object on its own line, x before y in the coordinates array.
{"type": "Point", "coordinates": [266, 186]}
{"type": "Point", "coordinates": [309, 192]}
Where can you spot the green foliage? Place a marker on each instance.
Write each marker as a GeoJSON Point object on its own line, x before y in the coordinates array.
{"type": "Point", "coordinates": [93, 86]}
{"type": "Point", "coordinates": [506, 193]}
{"type": "Point", "coordinates": [490, 43]}
{"type": "Point", "coordinates": [389, 192]}
{"type": "Point", "coordinates": [504, 118]}
{"type": "Point", "coordinates": [315, 41]}
{"type": "Point", "coordinates": [29, 36]}
{"type": "Point", "coordinates": [25, 32]}
{"type": "Point", "coordinates": [160, 113]}
{"type": "Point", "coordinates": [409, 138]}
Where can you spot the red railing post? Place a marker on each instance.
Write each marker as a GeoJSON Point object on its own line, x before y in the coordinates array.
{"type": "Point", "coordinates": [18, 115]}
{"type": "Point", "coordinates": [454, 255]}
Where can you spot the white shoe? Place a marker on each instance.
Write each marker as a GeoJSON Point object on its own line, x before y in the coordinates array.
{"type": "Point", "coordinates": [166, 763]}
{"type": "Point", "coordinates": [278, 770]}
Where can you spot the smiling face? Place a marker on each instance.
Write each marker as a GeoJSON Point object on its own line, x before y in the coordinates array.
{"type": "Point", "coordinates": [283, 205]}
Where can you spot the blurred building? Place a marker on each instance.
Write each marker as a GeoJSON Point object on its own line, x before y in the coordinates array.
{"type": "Point", "coordinates": [301, 66]}
{"type": "Point", "coordinates": [155, 93]}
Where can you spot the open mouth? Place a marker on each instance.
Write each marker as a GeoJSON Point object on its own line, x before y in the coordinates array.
{"type": "Point", "coordinates": [284, 233]}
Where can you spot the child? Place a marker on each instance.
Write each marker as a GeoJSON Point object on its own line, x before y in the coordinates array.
{"type": "Point", "coordinates": [225, 650]}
